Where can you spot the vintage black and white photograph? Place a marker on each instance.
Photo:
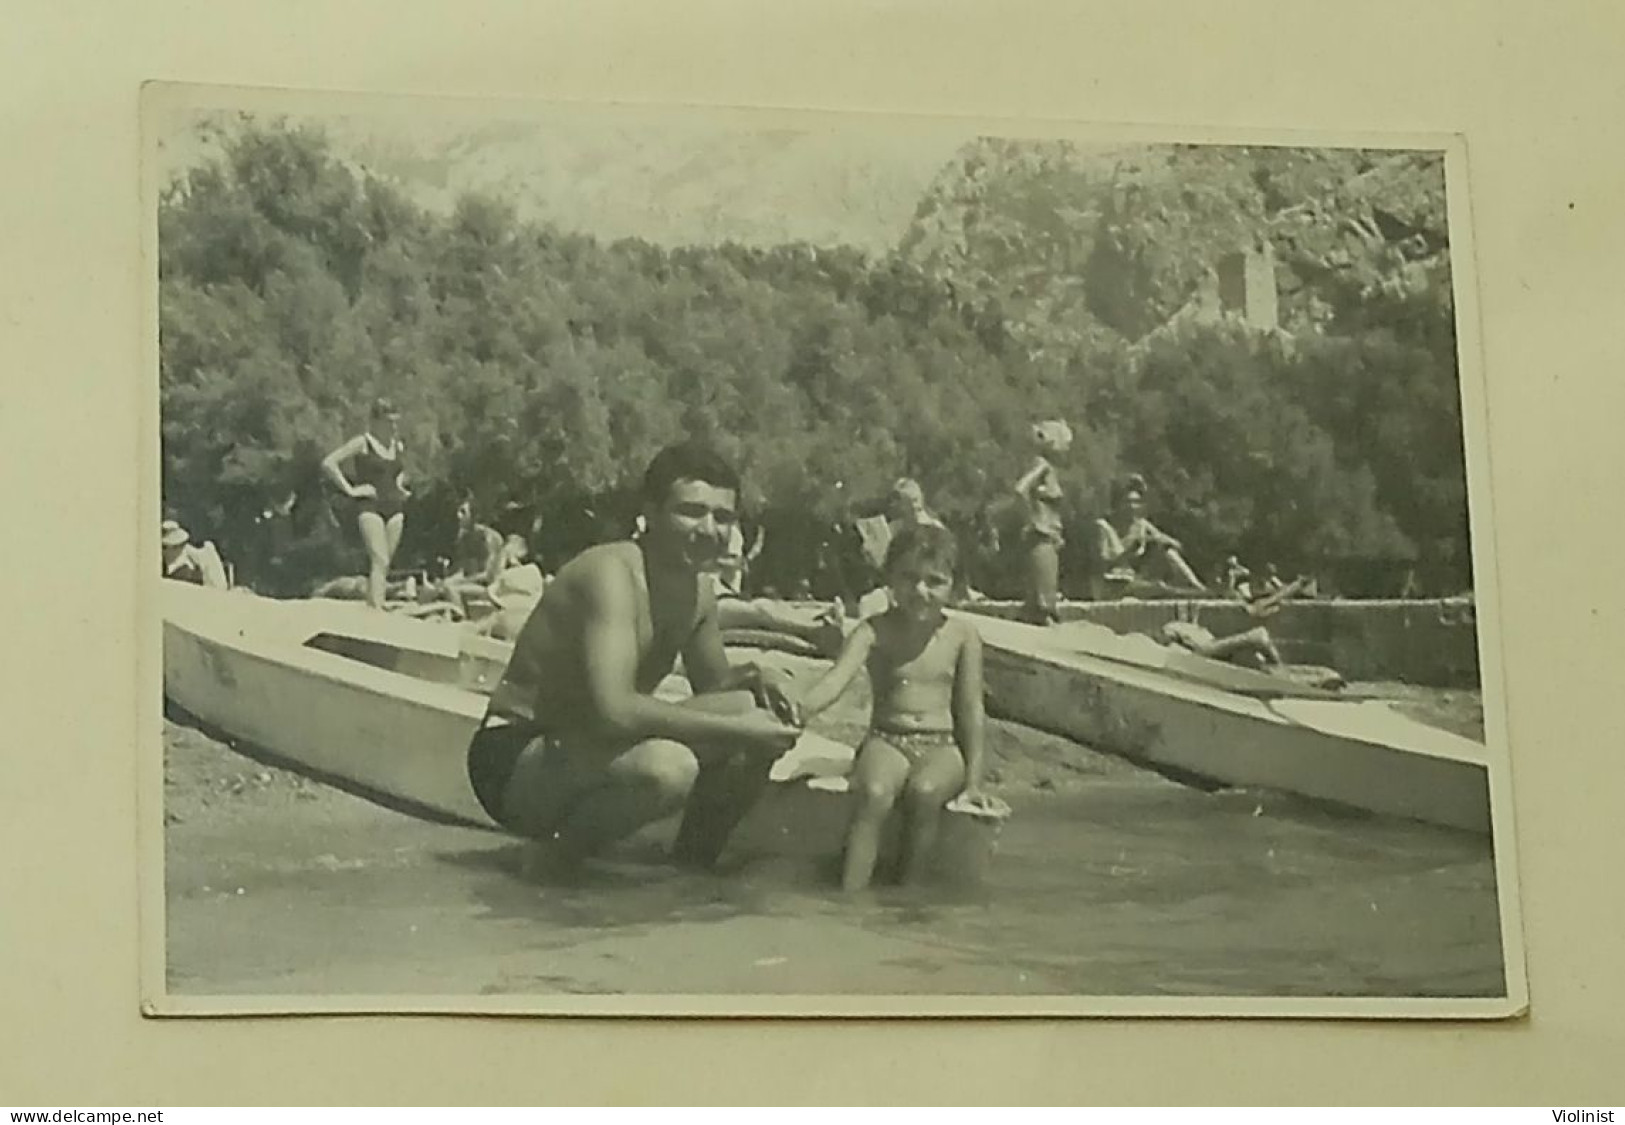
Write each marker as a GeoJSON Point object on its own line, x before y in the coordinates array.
{"type": "Point", "coordinates": [666, 561]}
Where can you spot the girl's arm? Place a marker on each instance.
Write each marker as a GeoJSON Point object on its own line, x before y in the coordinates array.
{"type": "Point", "coordinates": [969, 719]}
{"type": "Point", "coordinates": [832, 683]}
{"type": "Point", "coordinates": [331, 464]}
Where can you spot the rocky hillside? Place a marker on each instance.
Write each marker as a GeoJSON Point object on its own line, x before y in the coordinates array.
{"type": "Point", "coordinates": [619, 177]}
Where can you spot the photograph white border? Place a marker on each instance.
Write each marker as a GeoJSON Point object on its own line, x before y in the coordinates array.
{"type": "Point", "coordinates": [161, 99]}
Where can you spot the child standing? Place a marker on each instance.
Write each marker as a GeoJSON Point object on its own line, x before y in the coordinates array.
{"type": "Point", "coordinates": [924, 743]}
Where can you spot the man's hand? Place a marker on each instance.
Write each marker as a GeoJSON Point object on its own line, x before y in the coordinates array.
{"type": "Point", "coordinates": [760, 733]}
{"type": "Point", "coordinates": [773, 694]}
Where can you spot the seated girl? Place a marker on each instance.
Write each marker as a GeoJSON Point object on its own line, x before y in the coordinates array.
{"type": "Point", "coordinates": [925, 737]}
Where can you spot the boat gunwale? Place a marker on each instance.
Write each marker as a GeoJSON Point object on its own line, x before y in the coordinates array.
{"type": "Point", "coordinates": [799, 764]}
{"type": "Point", "coordinates": [336, 668]}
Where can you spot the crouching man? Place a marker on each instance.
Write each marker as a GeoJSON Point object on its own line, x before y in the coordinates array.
{"type": "Point", "coordinates": [576, 750]}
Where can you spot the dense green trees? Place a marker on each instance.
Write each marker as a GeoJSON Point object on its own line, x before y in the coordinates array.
{"type": "Point", "coordinates": [540, 369]}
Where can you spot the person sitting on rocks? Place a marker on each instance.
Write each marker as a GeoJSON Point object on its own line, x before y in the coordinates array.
{"type": "Point", "coordinates": [1135, 558]}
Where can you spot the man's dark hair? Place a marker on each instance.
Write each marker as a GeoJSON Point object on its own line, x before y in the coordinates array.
{"type": "Point", "coordinates": [923, 543]}
{"type": "Point", "coordinates": [688, 460]}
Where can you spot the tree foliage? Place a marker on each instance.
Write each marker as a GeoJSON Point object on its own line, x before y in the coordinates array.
{"type": "Point", "coordinates": [539, 369]}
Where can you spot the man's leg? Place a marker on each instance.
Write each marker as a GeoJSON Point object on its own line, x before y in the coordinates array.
{"type": "Point", "coordinates": [724, 792]}
{"type": "Point", "coordinates": [583, 804]}
{"type": "Point", "coordinates": [727, 787]}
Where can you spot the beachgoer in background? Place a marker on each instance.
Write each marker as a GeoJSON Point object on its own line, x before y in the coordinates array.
{"type": "Point", "coordinates": [823, 632]}
{"type": "Point", "coordinates": [379, 490]}
{"type": "Point", "coordinates": [1261, 604]}
{"type": "Point", "coordinates": [576, 749]}
{"type": "Point", "coordinates": [1252, 648]}
{"type": "Point", "coordinates": [1411, 587]}
{"type": "Point", "coordinates": [185, 561]}
{"type": "Point", "coordinates": [1040, 489]}
{"type": "Point", "coordinates": [515, 551]}
{"type": "Point", "coordinates": [480, 555]}
{"type": "Point", "coordinates": [1133, 556]}
{"type": "Point", "coordinates": [906, 507]}
{"type": "Point", "coordinates": [925, 740]}
{"type": "Point", "coordinates": [398, 592]}
{"type": "Point", "coordinates": [1237, 580]}
{"type": "Point", "coordinates": [1272, 582]}
{"type": "Point", "coordinates": [515, 594]}
{"type": "Point", "coordinates": [735, 561]}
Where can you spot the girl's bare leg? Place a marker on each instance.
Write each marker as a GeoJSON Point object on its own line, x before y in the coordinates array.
{"type": "Point", "coordinates": [877, 778]}
{"type": "Point", "coordinates": [375, 537]}
{"type": "Point", "coordinates": [934, 783]}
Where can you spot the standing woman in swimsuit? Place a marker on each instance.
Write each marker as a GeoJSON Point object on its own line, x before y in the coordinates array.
{"type": "Point", "coordinates": [377, 483]}
{"type": "Point", "coordinates": [1040, 490]}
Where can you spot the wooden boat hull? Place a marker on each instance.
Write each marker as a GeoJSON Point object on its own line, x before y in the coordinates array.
{"type": "Point", "coordinates": [1358, 754]}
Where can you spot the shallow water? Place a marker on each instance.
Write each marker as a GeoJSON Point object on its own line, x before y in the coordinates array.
{"type": "Point", "coordinates": [1138, 891]}
{"type": "Point", "coordinates": [1120, 883]}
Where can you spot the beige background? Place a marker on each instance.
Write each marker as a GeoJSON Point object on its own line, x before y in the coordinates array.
{"type": "Point", "coordinates": [1538, 94]}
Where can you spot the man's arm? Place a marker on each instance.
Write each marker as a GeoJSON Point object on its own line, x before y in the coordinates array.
{"type": "Point", "coordinates": [610, 658]}
{"type": "Point", "coordinates": [705, 662]}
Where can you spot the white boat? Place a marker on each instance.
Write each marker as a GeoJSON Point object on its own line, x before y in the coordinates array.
{"type": "Point", "coordinates": [1229, 726]}
{"type": "Point", "coordinates": [373, 702]}
{"type": "Point", "coordinates": [386, 706]}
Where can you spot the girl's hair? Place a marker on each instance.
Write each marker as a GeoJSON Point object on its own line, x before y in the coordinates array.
{"type": "Point", "coordinates": [922, 543]}
{"type": "Point", "coordinates": [383, 405]}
